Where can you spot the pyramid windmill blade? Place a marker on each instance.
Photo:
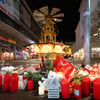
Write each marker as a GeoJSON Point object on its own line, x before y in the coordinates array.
{"type": "Point", "coordinates": [57, 20]}
{"type": "Point", "coordinates": [58, 15]}
{"type": "Point", "coordinates": [54, 11]}
{"type": "Point", "coordinates": [42, 22]}
{"type": "Point", "coordinates": [37, 18]}
{"type": "Point", "coordinates": [44, 10]}
{"type": "Point", "coordinates": [37, 13]}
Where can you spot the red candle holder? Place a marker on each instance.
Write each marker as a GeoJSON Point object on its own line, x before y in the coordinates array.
{"type": "Point", "coordinates": [15, 75]}
{"type": "Point", "coordinates": [13, 86]}
{"type": "Point", "coordinates": [77, 91]}
{"type": "Point", "coordinates": [0, 80]}
{"type": "Point", "coordinates": [86, 86]}
{"type": "Point", "coordinates": [6, 82]}
{"type": "Point", "coordinates": [30, 84]}
{"type": "Point", "coordinates": [65, 88]}
{"type": "Point", "coordinates": [96, 88]}
{"type": "Point", "coordinates": [92, 72]}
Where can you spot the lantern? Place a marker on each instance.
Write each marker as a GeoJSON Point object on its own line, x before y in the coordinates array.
{"type": "Point", "coordinates": [86, 86]}
{"type": "Point", "coordinates": [65, 88]}
{"type": "Point", "coordinates": [41, 90]}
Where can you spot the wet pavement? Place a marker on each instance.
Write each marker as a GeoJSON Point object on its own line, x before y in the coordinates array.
{"type": "Point", "coordinates": [33, 95]}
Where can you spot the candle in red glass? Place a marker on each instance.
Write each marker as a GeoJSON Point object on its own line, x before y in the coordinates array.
{"type": "Point", "coordinates": [86, 86]}
{"type": "Point", "coordinates": [77, 91]}
{"type": "Point", "coordinates": [98, 72]}
{"type": "Point", "coordinates": [25, 67]}
{"type": "Point", "coordinates": [13, 84]}
{"type": "Point", "coordinates": [92, 72]}
{"type": "Point", "coordinates": [6, 82]}
{"type": "Point", "coordinates": [30, 84]}
{"type": "Point", "coordinates": [0, 80]}
{"type": "Point", "coordinates": [65, 88]}
{"type": "Point", "coordinates": [96, 88]}
{"type": "Point", "coordinates": [15, 75]}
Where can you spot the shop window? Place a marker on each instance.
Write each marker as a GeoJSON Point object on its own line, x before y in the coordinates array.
{"type": "Point", "coordinates": [51, 29]}
{"type": "Point", "coordinates": [43, 38]}
{"type": "Point", "coordinates": [48, 28]}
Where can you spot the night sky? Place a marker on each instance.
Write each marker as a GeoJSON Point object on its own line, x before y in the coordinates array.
{"type": "Point", "coordinates": [70, 8]}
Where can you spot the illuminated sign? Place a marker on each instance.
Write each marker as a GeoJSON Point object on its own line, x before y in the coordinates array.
{"type": "Point", "coordinates": [8, 40]}
{"type": "Point", "coordinates": [11, 41]}
{"type": "Point", "coordinates": [3, 38]}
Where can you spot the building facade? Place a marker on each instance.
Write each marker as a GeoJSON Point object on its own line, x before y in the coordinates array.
{"type": "Point", "coordinates": [78, 46]}
{"type": "Point", "coordinates": [17, 28]}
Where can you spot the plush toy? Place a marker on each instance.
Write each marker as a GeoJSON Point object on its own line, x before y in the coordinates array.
{"type": "Point", "coordinates": [52, 79]}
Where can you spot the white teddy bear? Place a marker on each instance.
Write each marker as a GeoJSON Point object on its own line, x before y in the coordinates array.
{"type": "Point", "coordinates": [53, 80]}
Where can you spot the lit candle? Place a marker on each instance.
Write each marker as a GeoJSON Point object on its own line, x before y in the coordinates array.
{"type": "Point", "coordinates": [41, 90]}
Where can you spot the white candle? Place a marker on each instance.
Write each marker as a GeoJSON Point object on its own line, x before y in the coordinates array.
{"type": "Point", "coordinates": [41, 90]}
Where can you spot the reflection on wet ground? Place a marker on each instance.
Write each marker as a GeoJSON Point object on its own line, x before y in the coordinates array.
{"type": "Point", "coordinates": [33, 95]}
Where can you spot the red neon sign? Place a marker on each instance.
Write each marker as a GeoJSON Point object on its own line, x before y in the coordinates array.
{"type": "Point", "coordinates": [3, 38]}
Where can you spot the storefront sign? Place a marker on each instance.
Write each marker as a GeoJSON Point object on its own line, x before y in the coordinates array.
{"type": "Point", "coordinates": [8, 40]}
{"type": "Point", "coordinates": [11, 8]}
{"type": "Point", "coordinates": [3, 38]}
{"type": "Point", "coordinates": [11, 41]}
